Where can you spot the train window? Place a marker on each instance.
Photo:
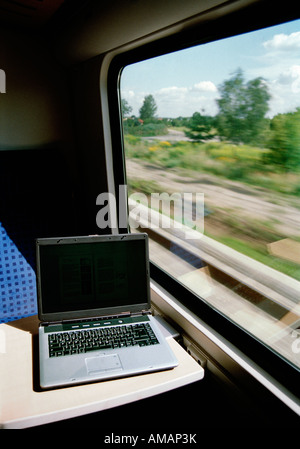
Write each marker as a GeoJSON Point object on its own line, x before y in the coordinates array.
{"type": "Point", "coordinates": [212, 146]}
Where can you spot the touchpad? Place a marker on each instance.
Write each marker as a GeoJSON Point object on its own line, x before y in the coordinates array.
{"type": "Point", "coordinates": [103, 363]}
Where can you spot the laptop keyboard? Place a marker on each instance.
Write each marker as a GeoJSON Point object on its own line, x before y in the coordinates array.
{"type": "Point", "coordinates": [76, 342]}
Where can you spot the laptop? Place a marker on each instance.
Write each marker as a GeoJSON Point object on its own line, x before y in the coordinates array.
{"type": "Point", "coordinates": [93, 306]}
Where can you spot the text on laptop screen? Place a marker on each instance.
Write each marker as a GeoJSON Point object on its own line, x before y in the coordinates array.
{"type": "Point", "coordinates": [93, 275]}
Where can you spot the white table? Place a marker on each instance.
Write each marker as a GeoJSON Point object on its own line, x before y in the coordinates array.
{"type": "Point", "coordinates": [23, 404]}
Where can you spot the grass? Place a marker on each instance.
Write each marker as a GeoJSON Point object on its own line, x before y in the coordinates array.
{"type": "Point", "coordinates": [261, 255]}
{"type": "Point", "coordinates": [234, 162]}
{"type": "Point", "coordinates": [143, 186]}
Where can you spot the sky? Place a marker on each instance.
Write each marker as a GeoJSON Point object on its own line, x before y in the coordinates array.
{"type": "Point", "coordinates": [187, 81]}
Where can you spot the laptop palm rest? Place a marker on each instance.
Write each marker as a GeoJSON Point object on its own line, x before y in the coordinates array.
{"type": "Point", "coordinates": [103, 363]}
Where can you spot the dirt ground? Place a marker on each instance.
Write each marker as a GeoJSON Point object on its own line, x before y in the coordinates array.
{"type": "Point", "coordinates": [227, 200]}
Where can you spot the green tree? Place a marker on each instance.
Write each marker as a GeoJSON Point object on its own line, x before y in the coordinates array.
{"type": "Point", "coordinates": [284, 141]}
{"type": "Point", "coordinates": [149, 108]}
{"type": "Point", "coordinates": [126, 108]}
{"type": "Point", "coordinates": [201, 127]}
{"type": "Point", "coordinates": [242, 109]}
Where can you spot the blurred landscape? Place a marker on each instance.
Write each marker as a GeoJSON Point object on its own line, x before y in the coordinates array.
{"type": "Point", "coordinates": [246, 164]}
{"type": "Point", "coordinates": [251, 202]}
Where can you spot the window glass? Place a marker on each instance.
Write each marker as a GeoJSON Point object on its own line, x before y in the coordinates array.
{"type": "Point", "coordinates": [212, 145]}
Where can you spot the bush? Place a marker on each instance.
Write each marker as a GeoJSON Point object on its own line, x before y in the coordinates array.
{"type": "Point", "coordinates": [147, 130]}
{"type": "Point", "coordinates": [132, 140]}
{"type": "Point", "coordinates": [236, 172]}
{"type": "Point", "coordinates": [243, 163]}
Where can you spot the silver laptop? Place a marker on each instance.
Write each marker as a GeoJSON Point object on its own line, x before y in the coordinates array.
{"type": "Point", "coordinates": [93, 303]}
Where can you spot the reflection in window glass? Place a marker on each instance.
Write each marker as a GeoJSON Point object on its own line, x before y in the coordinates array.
{"type": "Point", "coordinates": [221, 121]}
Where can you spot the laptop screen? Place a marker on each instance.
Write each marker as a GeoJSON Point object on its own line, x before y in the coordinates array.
{"type": "Point", "coordinates": [83, 276]}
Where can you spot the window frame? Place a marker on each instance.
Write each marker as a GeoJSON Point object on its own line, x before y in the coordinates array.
{"type": "Point", "coordinates": [256, 16]}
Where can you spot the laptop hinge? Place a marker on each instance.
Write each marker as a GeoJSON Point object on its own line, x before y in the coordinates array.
{"type": "Point", "coordinates": [142, 312]}
{"type": "Point", "coordinates": [50, 323]}
{"type": "Point", "coordinates": [118, 315]}
{"type": "Point", "coordinates": [98, 317]}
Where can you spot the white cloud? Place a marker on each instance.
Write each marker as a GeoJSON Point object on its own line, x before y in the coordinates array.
{"type": "Point", "coordinates": [284, 89]}
{"type": "Point", "coordinates": [173, 91]}
{"type": "Point", "coordinates": [177, 101]}
{"type": "Point", "coordinates": [205, 86]}
{"type": "Point", "coordinates": [283, 42]}
{"type": "Point", "coordinates": [280, 67]}
{"type": "Point", "coordinates": [291, 77]}
{"type": "Point", "coordinates": [130, 94]}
